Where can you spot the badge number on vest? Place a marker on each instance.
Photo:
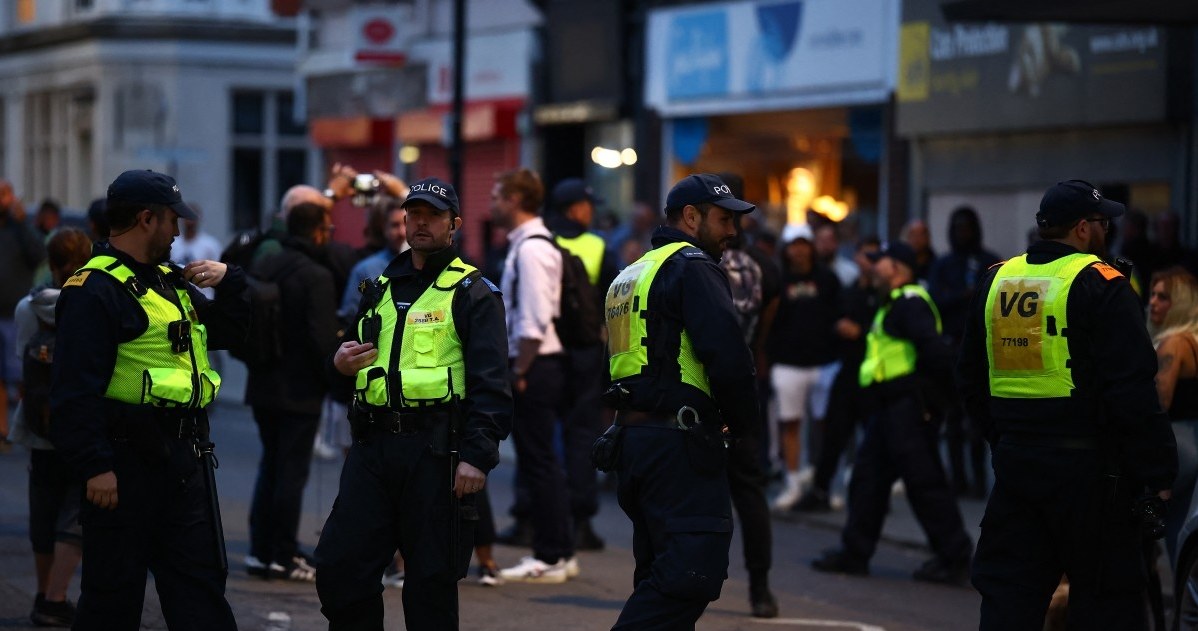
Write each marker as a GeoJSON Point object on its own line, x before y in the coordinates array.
{"type": "Point", "coordinates": [1018, 320]}
{"type": "Point", "coordinates": [618, 305]}
{"type": "Point", "coordinates": [426, 317]}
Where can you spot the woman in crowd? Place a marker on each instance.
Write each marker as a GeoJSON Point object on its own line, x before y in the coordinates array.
{"type": "Point", "coordinates": [1173, 322]}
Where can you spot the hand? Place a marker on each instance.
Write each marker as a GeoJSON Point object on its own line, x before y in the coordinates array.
{"type": "Point", "coordinates": [848, 329]}
{"type": "Point", "coordinates": [394, 186]}
{"type": "Point", "coordinates": [352, 357]}
{"type": "Point", "coordinates": [101, 490]}
{"type": "Point", "coordinates": [341, 180]}
{"type": "Point", "coordinates": [468, 479]}
{"type": "Point", "coordinates": [519, 383]}
{"type": "Point", "coordinates": [205, 273]}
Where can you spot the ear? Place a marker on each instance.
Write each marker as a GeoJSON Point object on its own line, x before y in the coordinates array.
{"type": "Point", "coordinates": [691, 215]}
{"type": "Point", "coordinates": [455, 223]}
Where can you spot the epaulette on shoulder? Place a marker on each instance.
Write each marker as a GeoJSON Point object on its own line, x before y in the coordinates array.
{"type": "Point", "coordinates": [1108, 272]}
{"type": "Point", "coordinates": [77, 279]}
{"type": "Point", "coordinates": [494, 289]}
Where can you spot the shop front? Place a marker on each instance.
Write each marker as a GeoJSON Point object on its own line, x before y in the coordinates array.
{"type": "Point", "coordinates": [791, 96]}
{"type": "Point", "coordinates": [998, 112]}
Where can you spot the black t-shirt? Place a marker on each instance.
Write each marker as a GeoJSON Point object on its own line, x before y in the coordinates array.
{"type": "Point", "coordinates": [803, 332]}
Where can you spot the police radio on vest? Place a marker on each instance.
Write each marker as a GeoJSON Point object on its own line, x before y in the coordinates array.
{"type": "Point", "coordinates": [432, 188]}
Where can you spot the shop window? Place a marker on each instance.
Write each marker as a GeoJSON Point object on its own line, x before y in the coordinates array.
{"type": "Point", "coordinates": [270, 154]}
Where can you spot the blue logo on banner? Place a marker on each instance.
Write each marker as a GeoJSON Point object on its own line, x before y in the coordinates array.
{"type": "Point", "coordinates": [698, 55]}
{"type": "Point", "coordinates": [779, 24]}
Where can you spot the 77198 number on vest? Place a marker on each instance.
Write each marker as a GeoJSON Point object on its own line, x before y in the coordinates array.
{"type": "Point", "coordinates": [1018, 324]}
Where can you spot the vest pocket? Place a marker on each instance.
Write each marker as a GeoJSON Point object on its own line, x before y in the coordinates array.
{"type": "Point", "coordinates": [166, 386]}
{"type": "Point", "coordinates": [371, 386]}
{"type": "Point", "coordinates": [209, 386]}
{"type": "Point", "coordinates": [424, 385]}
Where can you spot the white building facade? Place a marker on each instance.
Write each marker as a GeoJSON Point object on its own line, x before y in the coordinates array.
{"type": "Point", "coordinates": [201, 89]}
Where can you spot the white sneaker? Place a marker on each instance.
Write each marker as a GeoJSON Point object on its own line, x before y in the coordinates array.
{"type": "Point", "coordinates": [790, 493]}
{"type": "Point", "coordinates": [533, 570]}
{"type": "Point", "coordinates": [572, 568]}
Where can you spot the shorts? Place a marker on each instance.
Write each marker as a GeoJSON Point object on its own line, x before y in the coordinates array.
{"type": "Point", "coordinates": [10, 366]}
{"type": "Point", "coordinates": [54, 499]}
{"type": "Point", "coordinates": [793, 387]}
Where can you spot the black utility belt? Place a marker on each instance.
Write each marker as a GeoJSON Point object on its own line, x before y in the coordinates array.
{"type": "Point", "coordinates": [394, 421]}
{"type": "Point", "coordinates": [181, 423]}
{"type": "Point", "coordinates": [685, 419]}
{"type": "Point", "coordinates": [1024, 439]}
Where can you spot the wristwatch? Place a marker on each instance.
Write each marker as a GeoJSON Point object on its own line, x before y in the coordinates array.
{"type": "Point", "coordinates": [330, 193]}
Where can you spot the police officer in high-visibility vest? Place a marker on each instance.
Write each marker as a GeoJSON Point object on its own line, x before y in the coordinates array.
{"type": "Point", "coordinates": [128, 406]}
{"type": "Point", "coordinates": [427, 363]}
{"type": "Point", "coordinates": [572, 203]}
{"type": "Point", "coordinates": [682, 383]}
{"type": "Point", "coordinates": [904, 350]}
{"type": "Point", "coordinates": [1058, 368]}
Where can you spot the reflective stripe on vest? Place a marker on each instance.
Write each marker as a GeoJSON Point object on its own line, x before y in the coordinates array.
{"type": "Point", "coordinates": [147, 370]}
{"type": "Point", "coordinates": [625, 309]}
{"type": "Point", "coordinates": [887, 357]}
{"type": "Point", "coordinates": [1026, 349]}
{"type": "Point", "coordinates": [588, 247]}
{"type": "Point", "coordinates": [430, 369]}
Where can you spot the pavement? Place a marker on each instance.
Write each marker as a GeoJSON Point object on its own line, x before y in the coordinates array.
{"type": "Point", "coordinates": [887, 600]}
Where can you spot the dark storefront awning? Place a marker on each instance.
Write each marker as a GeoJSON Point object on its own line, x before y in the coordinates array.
{"type": "Point", "coordinates": [1160, 12]}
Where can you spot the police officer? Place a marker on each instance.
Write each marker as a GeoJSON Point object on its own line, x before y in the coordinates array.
{"type": "Point", "coordinates": [574, 202]}
{"type": "Point", "coordinates": [680, 374]}
{"type": "Point", "coordinates": [904, 350]}
{"type": "Point", "coordinates": [427, 362]}
{"type": "Point", "coordinates": [129, 415]}
{"type": "Point", "coordinates": [1057, 365]}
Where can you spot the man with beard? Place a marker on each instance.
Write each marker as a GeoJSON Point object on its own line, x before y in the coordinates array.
{"type": "Point", "coordinates": [128, 405]}
{"type": "Point", "coordinates": [683, 384]}
{"type": "Point", "coordinates": [1057, 365]}
{"type": "Point", "coordinates": [427, 360]}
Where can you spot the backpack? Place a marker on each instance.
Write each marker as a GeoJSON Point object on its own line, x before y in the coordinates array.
{"type": "Point", "coordinates": [580, 320]}
{"type": "Point", "coordinates": [37, 359]}
{"type": "Point", "coordinates": [744, 278]}
{"type": "Point", "coordinates": [264, 347]}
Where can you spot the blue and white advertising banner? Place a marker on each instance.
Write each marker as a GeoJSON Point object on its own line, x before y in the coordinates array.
{"type": "Point", "coordinates": [770, 54]}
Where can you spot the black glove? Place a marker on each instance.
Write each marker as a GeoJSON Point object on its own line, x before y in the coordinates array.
{"type": "Point", "coordinates": [1150, 510]}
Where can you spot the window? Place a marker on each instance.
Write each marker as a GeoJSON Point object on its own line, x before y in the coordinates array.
{"type": "Point", "coordinates": [270, 154]}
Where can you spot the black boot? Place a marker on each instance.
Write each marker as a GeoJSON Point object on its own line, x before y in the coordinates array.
{"type": "Point", "coordinates": [518, 534]}
{"type": "Point", "coordinates": [585, 538]}
{"type": "Point", "coordinates": [762, 603]}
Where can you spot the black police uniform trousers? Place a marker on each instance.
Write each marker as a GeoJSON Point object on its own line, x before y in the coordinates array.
{"type": "Point", "coordinates": [161, 524]}
{"type": "Point", "coordinates": [287, 439]}
{"type": "Point", "coordinates": [674, 488]}
{"type": "Point", "coordinates": [1052, 512]}
{"type": "Point", "coordinates": [394, 493]}
{"type": "Point", "coordinates": [900, 444]}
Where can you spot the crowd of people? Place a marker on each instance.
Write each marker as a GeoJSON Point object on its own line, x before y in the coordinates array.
{"type": "Point", "coordinates": [844, 361]}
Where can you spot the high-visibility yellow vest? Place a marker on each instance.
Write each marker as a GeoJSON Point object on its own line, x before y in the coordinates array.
{"type": "Point", "coordinates": [625, 309]}
{"type": "Point", "coordinates": [1026, 316]}
{"type": "Point", "coordinates": [588, 247]}
{"type": "Point", "coordinates": [148, 369]}
{"type": "Point", "coordinates": [426, 365]}
{"type": "Point", "coordinates": [887, 357]}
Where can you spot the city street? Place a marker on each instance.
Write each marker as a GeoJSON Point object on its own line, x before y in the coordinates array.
{"type": "Point", "coordinates": [888, 600]}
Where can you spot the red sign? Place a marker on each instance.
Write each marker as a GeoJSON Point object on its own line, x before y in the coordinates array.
{"type": "Point", "coordinates": [378, 31]}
